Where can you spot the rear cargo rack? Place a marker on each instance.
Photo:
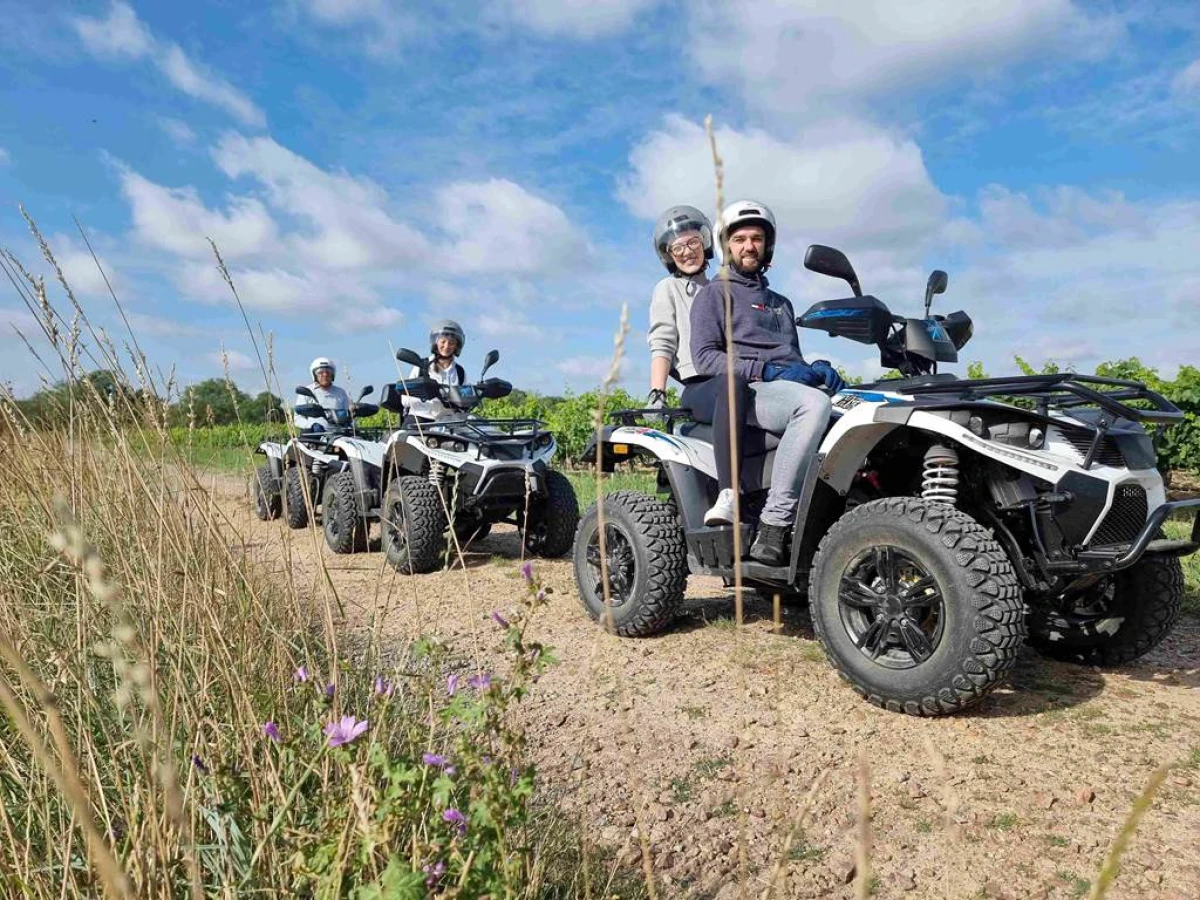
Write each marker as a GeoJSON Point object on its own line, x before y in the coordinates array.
{"type": "Point", "coordinates": [475, 429]}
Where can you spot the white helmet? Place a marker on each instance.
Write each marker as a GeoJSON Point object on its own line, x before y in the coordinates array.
{"type": "Point", "coordinates": [450, 328]}
{"type": "Point", "coordinates": [676, 221]}
{"type": "Point", "coordinates": [747, 212]}
{"type": "Point", "coordinates": [322, 362]}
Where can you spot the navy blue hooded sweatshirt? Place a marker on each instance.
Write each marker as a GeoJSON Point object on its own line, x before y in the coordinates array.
{"type": "Point", "coordinates": [764, 326]}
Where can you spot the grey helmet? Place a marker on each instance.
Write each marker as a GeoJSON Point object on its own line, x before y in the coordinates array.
{"type": "Point", "coordinates": [452, 329]}
{"type": "Point", "coordinates": [747, 212]}
{"type": "Point", "coordinates": [676, 221]}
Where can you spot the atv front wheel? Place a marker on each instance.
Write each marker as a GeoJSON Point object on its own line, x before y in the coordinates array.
{"type": "Point", "coordinates": [916, 605]}
{"type": "Point", "coordinates": [646, 561]}
{"type": "Point", "coordinates": [295, 510]}
{"type": "Point", "coordinates": [1124, 616]}
{"type": "Point", "coordinates": [346, 526]}
{"type": "Point", "coordinates": [553, 519]}
{"type": "Point", "coordinates": [264, 488]}
{"type": "Point", "coordinates": [413, 525]}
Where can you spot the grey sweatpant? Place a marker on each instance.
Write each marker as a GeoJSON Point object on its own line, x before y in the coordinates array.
{"type": "Point", "coordinates": [798, 413]}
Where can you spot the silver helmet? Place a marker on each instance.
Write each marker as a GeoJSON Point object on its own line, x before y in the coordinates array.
{"type": "Point", "coordinates": [747, 212]}
{"type": "Point", "coordinates": [448, 328]}
{"type": "Point", "coordinates": [676, 221]}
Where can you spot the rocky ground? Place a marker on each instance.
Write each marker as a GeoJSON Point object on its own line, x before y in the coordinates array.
{"type": "Point", "coordinates": [707, 742]}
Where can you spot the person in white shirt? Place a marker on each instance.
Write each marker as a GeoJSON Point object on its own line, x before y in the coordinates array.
{"type": "Point", "coordinates": [446, 341]}
{"type": "Point", "coordinates": [328, 395]}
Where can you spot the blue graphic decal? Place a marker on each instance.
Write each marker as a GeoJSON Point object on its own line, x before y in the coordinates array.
{"type": "Point", "coordinates": [838, 313]}
{"type": "Point", "coordinates": [872, 396]}
{"type": "Point", "coordinates": [935, 330]}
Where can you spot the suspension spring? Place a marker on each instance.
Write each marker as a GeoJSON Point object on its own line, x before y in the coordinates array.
{"type": "Point", "coordinates": [940, 475]}
{"type": "Point", "coordinates": [437, 472]}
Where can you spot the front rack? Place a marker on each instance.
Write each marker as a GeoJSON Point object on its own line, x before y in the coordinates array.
{"type": "Point", "coordinates": [475, 429]}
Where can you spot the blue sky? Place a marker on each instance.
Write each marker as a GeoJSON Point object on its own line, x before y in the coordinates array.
{"type": "Point", "coordinates": [368, 166]}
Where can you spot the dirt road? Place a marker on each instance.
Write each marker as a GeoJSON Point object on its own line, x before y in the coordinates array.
{"type": "Point", "coordinates": [709, 739]}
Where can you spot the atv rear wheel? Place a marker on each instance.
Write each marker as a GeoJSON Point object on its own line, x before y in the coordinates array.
{"type": "Point", "coordinates": [295, 510]}
{"type": "Point", "coordinates": [646, 561]}
{"type": "Point", "coordinates": [413, 525]}
{"type": "Point", "coordinates": [553, 518]}
{"type": "Point", "coordinates": [1125, 616]}
{"type": "Point", "coordinates": [916, 605]}
{"type": "Point", "coordinates": [345, 523]}
{"type": "Point", "coordinates": [264, 488]}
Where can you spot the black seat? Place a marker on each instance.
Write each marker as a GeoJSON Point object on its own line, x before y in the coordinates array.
{"type": "Point", "coordinates": [756, 441]}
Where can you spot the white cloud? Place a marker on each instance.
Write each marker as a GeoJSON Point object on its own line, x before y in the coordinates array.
{"type": "Point", "coordinates": [177, 130]}
{"type": "Point", "coordinates": [160, 326]}
{"type": "Point", "coordinates": [347, 223]}
{"type": "Point", "coordinates": [577, 18]}
{"type": "Point", "coordinates": [840, 182]}
{"type": "Point", "coordinates": [383, 24]}
{"type": "Point", "coordinates": [786, 55]}
{"type": "Point", "coordinates": [593, 369]}
{"type": "Point", "coordinates": [79, 268]}
{"type": "Point", "coordinates": [122, 35]}
{"type": "Point", "coordinates": [5, 157]}
{"type": "Point", "coordinates": [1187, 82]}
{"type": "Point", "coordinates": [176, 219]}
{"type": "Point", "coordinates": [350, 319]}
{"type": "Point", "coordinates": [233, 360]}
{"type": "Point", "coordinates": [498, 226]}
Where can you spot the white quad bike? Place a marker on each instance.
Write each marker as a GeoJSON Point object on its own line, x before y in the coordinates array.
{"type": "Point", "coordinates": [311, 461]}
{"type": "Point", "coordinates": [942, 523]}
{"type": "Point", "coordinates": [462, 474]}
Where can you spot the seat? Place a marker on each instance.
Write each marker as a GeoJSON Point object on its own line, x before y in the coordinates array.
{"type": "Point", "coordinates": [755, 441]}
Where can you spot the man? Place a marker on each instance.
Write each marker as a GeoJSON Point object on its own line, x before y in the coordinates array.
{"type": "Point", "coordinates": [785, 393]}
{"type": "Point", "coordinates": [327, 393]}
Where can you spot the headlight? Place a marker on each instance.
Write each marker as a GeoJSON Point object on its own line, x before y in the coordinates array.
{"type": "Point", "coordinates": [545, 440]}
{"type": "Point", "coordinates": [432, 442]}
{"type": "Point", "coordinates": [1037, 437]}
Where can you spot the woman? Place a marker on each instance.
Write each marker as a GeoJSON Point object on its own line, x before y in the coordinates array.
{"type": "Point", "coordinates": [446, 340]}
{"type": "Point", "coordinates": [683, 240]}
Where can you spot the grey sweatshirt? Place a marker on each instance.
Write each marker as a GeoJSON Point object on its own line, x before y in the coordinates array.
{"type": "Point", "coordinates": [334, 399]}
{"type": "Point", "coordinates": [670, 331]}
{"type": "Point", "coordinates": [764, 326]}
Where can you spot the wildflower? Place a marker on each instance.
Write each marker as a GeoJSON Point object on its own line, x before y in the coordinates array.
{"type": "Point", "coordinates": [329, 689]}
{"type": "Point", "coordinates": [433, 759]}
{"type": "Point", "coordinates": [383, 687]}
{"type": "Point", "coordinates": [480, 682]}
{"type": "Point", "coordinates": [344, 731]}
{"type": "Point", "coordinates": [451, 685]}
{"type": "Point", "coordinates": [433, 873]}
{"type": "Point", "coordinates": [541, 595]}
{"type": "Point", "coordinates": [199, 764]}
{"type": "Point", "coordinates": [301, 674]}
{"type": "Point", "coordinates": [499, 619]}
{"type": "Point", "coordinates": [455, 817]}
{"type": "Point", "coordinates": [527, 572]}
{"type": "Point", "coordinates": [271, 730]}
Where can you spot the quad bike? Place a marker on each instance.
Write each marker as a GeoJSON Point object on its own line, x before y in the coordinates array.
{"type": "Point", "coordinates": [461, 474]}
{"type": "Point", "coordinates": [942, 523]}
{"type": "Point", "coordinates": [309, 461]}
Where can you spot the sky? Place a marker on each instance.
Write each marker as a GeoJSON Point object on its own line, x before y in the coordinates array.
{"type": "Point", "coordinates": [367, 167]}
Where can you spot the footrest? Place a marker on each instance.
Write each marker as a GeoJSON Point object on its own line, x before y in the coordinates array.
{"type": "Point", "coordinates": [756, 571]}
{"type": "Point", "coordinates": [713, 547]}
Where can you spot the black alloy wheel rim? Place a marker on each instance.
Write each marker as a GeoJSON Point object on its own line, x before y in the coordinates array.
{"type": "Point", "coordinates": [1084, 611]}
{"type": "Point", "coordinates": [891, 607]}
{"type": "Point", "coordinates": [260, 498]}
{"type": "Point", "coordinates": [398, 528]}
{"type": "Point", "coordinates": [620, 563]}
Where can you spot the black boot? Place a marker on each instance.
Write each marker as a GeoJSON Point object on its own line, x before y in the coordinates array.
{"type": "Point", "coordinates": [769, 544]}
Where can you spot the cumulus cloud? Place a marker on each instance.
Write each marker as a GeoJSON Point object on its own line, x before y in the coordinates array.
{"type": "Point", "coordinates": [841, 182]}
{"type": "Point", "coordinates": [784, 55]}
{"type": "Point", "coordinates": [121, 35]}
{"type": "Point", "coordinates": [582, 19]}
{"type": "Point", "coordinates": [177, 130]}
{"type": "Point", "coordinates": [79, 268]}
{"type": "Point", "coordinates": [498, 226]}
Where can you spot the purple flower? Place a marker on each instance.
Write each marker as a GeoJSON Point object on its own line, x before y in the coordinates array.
{"type": "Point", "coordinates": [271, 730]}
{"type": "Point", "coordinates": [383, 687]}
{"type": "Point", "coordinates": [451, 685]}
{"type": "Point", "coordinates": [199, 764]}
{"type": "Point", "coordinates": [541, 595]}
{"type": "Point", "coordinates": [527, 572]}
{"type": "Point", "coordinates": [329, 689]}
{"type": "Point", "coordinates": [301, 674]}
{"type": "Point", "coordinates": [433, 759]}
{"type": "Point", "coordinates": [499, 619]}
{"type": "Point", "coordinates": [453, 816]}
{"type": "Point", "coordinates": [347, 730]}
{"type": "Point", "coordinates": [433, 873]}
{"type": "Point", "coordinates": [480, 682]}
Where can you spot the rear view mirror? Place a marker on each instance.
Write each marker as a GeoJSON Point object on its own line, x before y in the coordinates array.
{"type": "Point", "coordinates": [367, 389]}
{"type": "Point", "coordinates": [493, 356]}
{"type": "Point", "coordinates": [936, 285]}
{"type": "Point", "coordinates": [311, 411]}
{"type": "Point", "coordinates": [410, 357]}
{"type": "Point", "coordinates": [303, 391]}
{"type": "Point", "coordinates": [828, 261]}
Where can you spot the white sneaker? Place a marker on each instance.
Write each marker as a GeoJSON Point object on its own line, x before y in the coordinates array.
{"type": "Point", "coordinates": [722, 511]}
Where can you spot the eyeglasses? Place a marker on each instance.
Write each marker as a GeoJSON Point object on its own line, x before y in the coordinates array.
{"type": "Point", "coordinates": [682, 248]}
